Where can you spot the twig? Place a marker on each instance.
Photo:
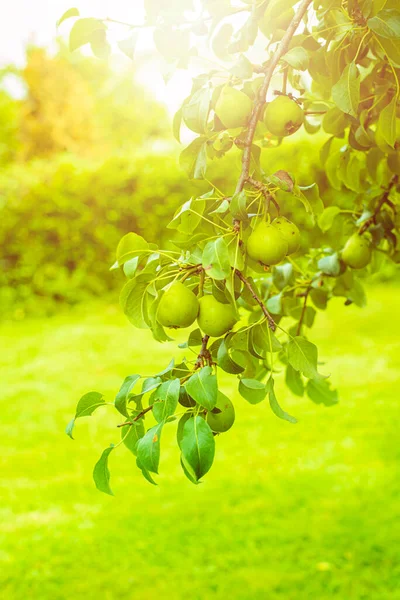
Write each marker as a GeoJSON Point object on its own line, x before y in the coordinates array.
{"type": "Point", "coordinates": [204, 354]}
{"type": "Point", "coordinates": [264, 190]}
{"type": "Point", "coordinates": [303, 311]}
{"type": "Point", "coordinates": [271, 322]}
{"type": "Point", "coordinates": [280, 51]}
{"type": "Point", "coordinates": [139, 416]}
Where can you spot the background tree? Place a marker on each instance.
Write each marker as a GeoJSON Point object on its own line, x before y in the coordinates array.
{"type": "Point", "coordinates": [240, 266]}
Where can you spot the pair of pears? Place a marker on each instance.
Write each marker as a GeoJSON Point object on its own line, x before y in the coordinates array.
{"type": "Point", "coordinates": [282, 117]}
{"type": "Point", "coordinates": [179, 308]}
{"type": "Point", "coordinates": [270, 243]}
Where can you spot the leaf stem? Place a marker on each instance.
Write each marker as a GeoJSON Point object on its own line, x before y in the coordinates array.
{"type": "Point", "coordinates": [271, 322]}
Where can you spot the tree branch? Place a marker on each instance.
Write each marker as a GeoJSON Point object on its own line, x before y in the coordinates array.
{"type": "Point", "coordinates": [303, 311]}
{"type": "Point", "coordinates": [280, 51]}
{"type": "Point", "coordinates": [204, 354]}
{"type": "Point", "coordinates": [139, 416]}
{"type": "Point", "coordinates": [271, 322]}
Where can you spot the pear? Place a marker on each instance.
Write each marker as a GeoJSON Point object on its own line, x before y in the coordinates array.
{"type": "Point", "coordinates": [215, 318]}
{"type": "Point", "coordinates": [283, 116]}
{"type": "Point", "coordinates": [178, 307]}
{"type": "Point", "coordinates": [289, 232]}
{"type": "Point", "coordinates": [233, 108]}
{"type": "Point", "coordinates": [356, 252]}
{"type": "Point", "coordinates": [223, 420]}
{"type": "Point", "coordinates": [267, 245]}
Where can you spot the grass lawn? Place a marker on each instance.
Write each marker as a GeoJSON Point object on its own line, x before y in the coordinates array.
{"type": "Point", "coordinates": [306, 511]}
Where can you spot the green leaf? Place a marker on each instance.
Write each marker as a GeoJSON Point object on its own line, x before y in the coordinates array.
{"type": "Point", "coordinates": [85, 407]}
{"type": "Point", "coordinates": [82, 31]}
{"type": "Point", "coordinates": [264, 339]}
{"type": "Point", "coordinates": [303, 356]}
{"type": "Point", "coordinates": [387, 122]}
{"type": "Point", "coordinates": [273, 402]}
{"type": "Point", "coordinates": [221, 41]}
{"type": "Point", "coordinates": [297, 58]}
{"type": "Point", "coordinates": [188, 216]}
{"type": "Point", "coordinates": [334, 121]}
{"type": "Point", "coordinates": [238, 206]}
{"type": "Point", "coordinates": [197, 445]}
{"type": "Point", "coordinates": [176, 125]}
{"type": "Point", "coordinates": [131, 437]}
{"type": "Point", "coordinates": [252, 390]}
{"type": "Point", "coordinates": [71, 12]}
{"type": "Point", "coordinates": [225, 362]}
{"type": "Point", "coordinates": [99, 44]}
{"type": "Point", "coordinates": [243, 69]}
{"type": "Point", "coordinates": [195, 112]}
{"type": "Point", "coordinates": [215, 259]}
{"type": "Point", "coordinates": [166, 399]}
{"type": "Point", "coordinates": [148, 448]}
{"type": "Point", "coordinates": [202, 387]}
{"type": "Point", "coordinates": [320, 392]}
{"type": "Point", "coordinates": [346, 92]}
{"type": "Point", "coordinates": [391, 48]}
{"type": "Point", "coordinates": [294, 381]}
{"type": "Point", "coordinates": [193, 159]}
{"type": "Point", "coordinates": [311, 193]}
{"type": "Point", "coordinates": [282, 275]}
{"type": "Point", "coordinates": [386, 24]}
{"type": "Point", "coordinates": [133, 299]}
{"type": "Point", "coordinates": [130, 246]}
{"type": "Point", "coordinates": [101, 473]}
{"type": "Point", "coordinates": [326, 218]}
{"type": "Point", "coordinates": [128, 45]}
{"type": "Point", "coordinates": [145, 472]}
{"type": "Point", "coordinates": [124, 391]}
{"type": "Point", "coordinates": [330, 264]}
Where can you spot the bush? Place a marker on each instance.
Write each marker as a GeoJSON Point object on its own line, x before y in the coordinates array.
{"type": "Point", "coordinates": [61, 221]}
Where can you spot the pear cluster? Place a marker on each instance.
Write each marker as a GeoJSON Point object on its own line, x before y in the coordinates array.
{"type": "Point", "coordinates": [179, 308]}
{"type": "Point", "coordinates": [270, 243]}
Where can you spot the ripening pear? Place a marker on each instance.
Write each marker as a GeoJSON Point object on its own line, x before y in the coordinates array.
{"type": "Point", "coordinates": [276, 16]}
{"type": "Point", "coordinates": [222, 421]}
{"type": "Point", "coordinates": [233, 108]}
{"type": "Point", "coordinates": [178, 307]}
{"type": "Point", "coordinates": [283, 116]}
{"type": "Point", "coordinates": [215, 318]}
{"type": "Point", "coordinates": [289, 232]}
{"type": "Point", "coordinates": [266, 244]}
{"type": "Point", "coordinates": [356, 252]}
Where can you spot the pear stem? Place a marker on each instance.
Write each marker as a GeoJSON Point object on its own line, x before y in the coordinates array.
{"type": "Point", "coordinates": [264, 190]}
{"type": "Point", "coordinates": [384, 200]}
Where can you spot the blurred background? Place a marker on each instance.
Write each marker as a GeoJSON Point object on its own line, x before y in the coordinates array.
{"type": "Point", "coordinates": [86, 155]}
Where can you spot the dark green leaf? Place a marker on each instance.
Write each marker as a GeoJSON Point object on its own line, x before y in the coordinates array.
{"type": "Point", "coordinates": [215, 259]}
{"type": "Point", "coordinates": [303, 356]}
{"type": "Point", "coordinates": [320, 392]}
{"type": "Point", "coordinates": [202, 387]}
{"type": "Point", "coordinates": [386, 24]}
{"type": "Point", "coordinates": [225, 361]}
{"type": "Point", "coordinates": [330, 264]}
{"type": "Point", "coordinates": [197, 445]}
{"type": "Point", "coordinates": [148, 448]}
{"type": "Point", "coordinates": [131, 437]}
{"type": "Point", "coordinates": [195, 112]}
{"type": "Point", "coordinates": [326, 218]}
{"type": "Point", "coordinates": [193, 159]}
{"type": "Point", "coordinates": [125, 390]}
{"type": "Point", "coordinates": [297, 58]}
{"type": "Point", "coordinates": [346, 92]}
{"type": "Point", "coordinates": [294, 381]}
{"type": "Point", "coordinates": [166, 399]}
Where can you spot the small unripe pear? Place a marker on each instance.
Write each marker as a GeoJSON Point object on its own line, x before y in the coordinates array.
{"type": "Point", "coordinates": [283, 116]}
{"type": "Point", "coordinates": [266, 244]}
{"type": "Point", "coordinates": [356, 252]}
{"type": "Point", "coordinates": [215, 318]}
{"type": "Point", "coordinates": [233, 108]}
{"type": "Point", "coordinates": [178, 307]}
{"type": "Point", "coordinates": [222, 421]}
{"type": "Point", "coordinates": [289, 232]}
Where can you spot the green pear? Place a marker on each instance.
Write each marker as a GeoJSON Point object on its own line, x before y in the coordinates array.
{"type": "Point", "coordinates": [356, 252]}
{"type": "Point", "coordinates": [223, 420]}
{"type": "Point", "coordinates": [233, 108]}
{"type": "Point", "coordinates": [283, 116]}
{"type": "Point", "coordinates": [267, 245]}
{"type": "Point", "coordinates": [289, 232]}
{"type": "Point", "coordinates": [215, 318]}
{"type": "Point", "coordinates": [178, 307]}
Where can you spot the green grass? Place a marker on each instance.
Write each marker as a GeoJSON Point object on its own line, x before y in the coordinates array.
{"type": "Point", "coordinates": [309, 511]}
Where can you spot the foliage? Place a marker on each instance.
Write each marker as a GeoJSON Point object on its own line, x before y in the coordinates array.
{"type": "Point", "coordinates": [337, 68]}
{"type": "Point", "coordinates": [75, 104]}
